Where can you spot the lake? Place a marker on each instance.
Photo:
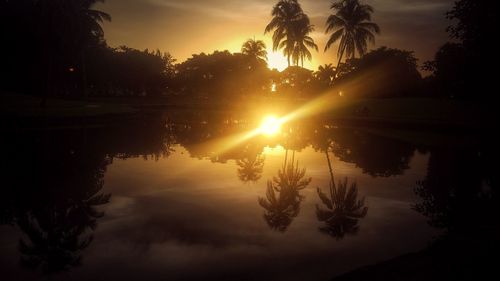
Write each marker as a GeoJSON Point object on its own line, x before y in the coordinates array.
{"type": "Point", "coordinates": [190, 196]}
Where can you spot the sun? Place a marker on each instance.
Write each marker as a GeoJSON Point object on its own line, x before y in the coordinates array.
{"type": "Point", "coordinates": [270, 126]}
{"type": "Point", "coordinates": [276, 60]}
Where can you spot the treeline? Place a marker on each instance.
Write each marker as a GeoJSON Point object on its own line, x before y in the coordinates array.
{"type": "Point", "coordinates": [57, 48]}
{"type": "Point", "coordinates": [464, 67]}
{"type": "Point", "coordinates": [383, 72]}
{"type": "Point", "coordinates": [125, 71]}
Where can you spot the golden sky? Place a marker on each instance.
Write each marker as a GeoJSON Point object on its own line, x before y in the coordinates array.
{"type": "Point", "coordinates": [186, 27]}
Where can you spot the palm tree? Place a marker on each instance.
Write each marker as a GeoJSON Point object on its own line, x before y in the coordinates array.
{"type": "Point", "coordinates": [255, 49]}
{"type": "Point", "coordinates": [67, 28]}
{"type": "Point", "coordinates": [302, 42]}
{"type": "Point", "coordinates": [325, 73]}
{"type": "Point", "coordinates": [352, 26]}
{"type": "Point", "coordinates": [287, 16]}
{"type": "Point", "coordinates": [88, 27]}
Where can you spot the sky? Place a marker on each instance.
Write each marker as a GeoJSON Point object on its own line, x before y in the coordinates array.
{"type": "Point", "coordinates": [187, 27]}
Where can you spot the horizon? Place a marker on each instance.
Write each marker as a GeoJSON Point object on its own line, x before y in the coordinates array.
{"type": "Point", "coordinates": [215, 25]}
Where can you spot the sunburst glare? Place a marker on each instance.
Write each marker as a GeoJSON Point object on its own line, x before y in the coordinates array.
{"type": "Point", "coordinates": [270, 126]}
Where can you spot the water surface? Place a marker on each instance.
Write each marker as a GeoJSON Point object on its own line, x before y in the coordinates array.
{"type": "Point", "coordinates": [183, 198]}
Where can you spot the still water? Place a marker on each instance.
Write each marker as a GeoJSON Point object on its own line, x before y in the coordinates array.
{"type": "Point", "coordinates": [185, 198]}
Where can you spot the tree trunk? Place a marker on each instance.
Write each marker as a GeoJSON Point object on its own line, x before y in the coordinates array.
{"type": "Point", "coordinates": [330, 167]}
{"type": "Point", "coordinates": [338, 64]}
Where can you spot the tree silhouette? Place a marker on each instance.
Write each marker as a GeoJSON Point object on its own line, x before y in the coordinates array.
{"type": "Point", "coordinates": [291, 28]}
{"type": "Point", "coordinates": [255, 49]}
{"type": "Point", "coordinates": [325, 74]}
{"type": "Point", "coordinates": [385, 72]}
{"type": "Point", "coordinates": [77, 26]}
{"type": "Point", "coordinates": [48, 38]}
{"type": "Point", "coordinates": [296, 81]}
{"type": "Point", "coordinates": [222, 75]}
{"type": "Point", "coordinates": [282, 202]}
{"type": "Point", "coordinates": [89, 27]}
{"type": "Point", "coordinates": [302, 42]}
{"type": "Point", "coordinates": [351, 25]}
{"type": "Point", "coordinates": [460, 68]}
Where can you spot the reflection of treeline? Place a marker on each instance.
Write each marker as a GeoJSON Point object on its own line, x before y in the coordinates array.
{"type": "Point", "coordinates": [460, 191]}
{"type": "Point", "coordinates": [55, 180]}
{"type": "Point", "coordinates": [459, 195]}
{"type": "Point", "coordinates": [375, 155]}
{"type": "Point", "coordinates": [54, 192]}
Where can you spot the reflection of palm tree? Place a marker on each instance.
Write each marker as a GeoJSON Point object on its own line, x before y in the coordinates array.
{"type": "Point", "coordinates": [55, 234]}
{"type": "Point", "coordinates": [351, 24]}
{"type": "Point", "coordinates": [283, 197]}
{"type": "Point", "coordinates": [281, 208]}
{"type": "Point", "coordinates": [254, 48]}
{"type": "Point", "coordinates": [344, 209]}
{"type": "Point", "coordinates": [250, 168]}
{"type": "Point", "coordinates": [290, 177]}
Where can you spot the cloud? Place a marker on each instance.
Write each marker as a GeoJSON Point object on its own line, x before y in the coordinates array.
{"type": "Point", "coordinates": [232, 10]}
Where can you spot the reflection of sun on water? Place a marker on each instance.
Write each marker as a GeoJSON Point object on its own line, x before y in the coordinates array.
{"type": "Point", "coordinates": [270, 126]}
{"type": "Point", "coordinates": [278, 150]}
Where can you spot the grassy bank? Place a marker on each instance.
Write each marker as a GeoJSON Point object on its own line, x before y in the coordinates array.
{"type": "Point", "coordinates": [28, 106]}
{"type": "Point", "coordinates": [400, 113]}
{"type": "Point", "coordinates": [411, 111]}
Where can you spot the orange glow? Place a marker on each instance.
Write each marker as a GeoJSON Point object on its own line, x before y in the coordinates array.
{"type": "Point", "coordinates": [276, 60]}
{"type": "Point", "coordinates": [273, 87]}
{"type": "Point", "coordinates": [270, 126]}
